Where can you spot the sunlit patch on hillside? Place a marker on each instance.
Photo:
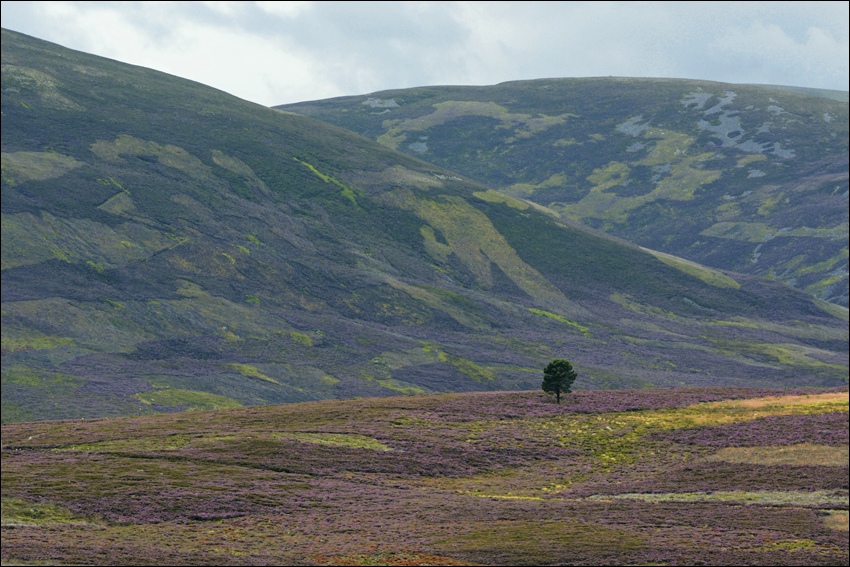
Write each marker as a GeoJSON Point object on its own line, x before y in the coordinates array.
{"type": "Point", "coordinates": [771, 497]}
{"type": "Point", "coordinates": [708, 275]}
{"type": "Point", "coordinates": [186, 399]}
{"type": "Point", "coordinates": [335, 439]}
{"type": "Point", "coordinates": [17, 167]}
{"type": "Point", "coordinates": [800, 455]}
{"type": "Point", "coordinates": [836, 520]}
{"type": "Point", "coordinates": [835, 400]}
{"type": "Point", "coordinates": [392, 559]}
{"type": "Point", "coordinates": [19, 512]}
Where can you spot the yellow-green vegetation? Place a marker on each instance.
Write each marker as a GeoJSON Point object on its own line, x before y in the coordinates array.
{"type": "Point", "coordinates": [522, 125]}
{"type": "Point", "coordinates": [155, 443]}
{"type": "Point", "coordinates": [302, 338]}
{"type": "Point", "coordinates": [240, 168]}
{"type": "Point", "coordinates": [778, 497]}
{"type": "Point", "coordinates": [463, 365]}
{"type": "Point", "coordinates": [18, 512]}
{"type": "Point", "coordinates": [336, 439]}
{"type": "Point", "coordinates": [46, 87]}
{"type": "Point", "coordinates": [684, 174]}
{"type": "Point", "coordinates": [346, 191]}
{"type": "Point", "coordinates": [398, 386]}
{"type": "Point", "coordinates": [528, 189]}
{"type": "Point", "coordinates": [119, 204]}
{"type": "Point", "coordinates": [431, 297]}
{"type": "Point", "coordinates": [708, 275]}
{"type": "Point", "coordinates": [760, 232]}
{"type": "Point", "coordinates": [193, 400]}
{"type": "Point", "coordinates": [747, 160]}
{"type": "Point", "coordinates": [836, 520]}
{"type": "Point", "coordinates": [90, 324]}
{"type": "Point", "coordinates": [833, 309]}
{"type": "Point", "coordinates": [561, 319]}
{"type": "Point", "coordinates": [17, 344]}
{"type": "Point", "coordinates": [168, 155]}
{"type": "Point", "coordinates": [772, 353]}
{"type": "Point", "coordinates": [28, 239]}
{"type": "Point", "coordinates": [469, 234]}
{"type": "Point", "coordinates": [430, 353]}
{"type": "Point", "coordinates": [631, 304]}
{"type": "Point", "coordinates": [799, 455]}
{"type": "Point", "coordinates": [18, 167]}
{"type": "Point", "coordinates": [492, 196]}
{"type": "Point", "coordinates": [34, 378]}
{"type": "Point", "coordinates": [250, 371]}
{"type": "Point", "coordinates": [614, 440]}
{"type": "Point", "coordinates": [804, 331]}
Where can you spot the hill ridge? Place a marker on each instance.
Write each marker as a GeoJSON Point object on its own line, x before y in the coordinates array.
{"type": "Point", "coordinates": [169, 247]}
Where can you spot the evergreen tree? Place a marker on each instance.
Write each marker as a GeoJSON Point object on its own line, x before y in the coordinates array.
{"type": "Point", "coordinates": [558, 376]}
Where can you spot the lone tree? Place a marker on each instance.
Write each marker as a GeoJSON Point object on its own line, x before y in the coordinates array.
{"type": "Point", "coordinates": [558, 376]}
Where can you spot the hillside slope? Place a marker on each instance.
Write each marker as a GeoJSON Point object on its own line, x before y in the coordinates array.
{"type": "Point", "coordinates": [683, 476]}
{"type": "Point", "coordinates": [167, 246]}
{"type": "Point", "coordinates": [747, 178]}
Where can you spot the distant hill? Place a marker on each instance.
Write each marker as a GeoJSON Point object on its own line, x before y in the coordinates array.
{"type": "Point", "coordinates": [747, 178]}
{"type": "Point", "coordinates": [840, 96]}
{"type": "Point", "coordinates": [678, 476]}
{"type": "Point", "coordinates": [166, 247]}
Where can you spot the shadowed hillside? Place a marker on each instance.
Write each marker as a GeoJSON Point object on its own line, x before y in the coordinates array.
{"type": "Point", "coordinates": [686, 476]}
{"type": "Point", "coordinates": [748, 178]}
{"type": "Point", "coordinates": [167, 246]}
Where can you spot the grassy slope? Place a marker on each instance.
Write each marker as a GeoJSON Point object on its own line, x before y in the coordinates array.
{"type": "Point", "coordinates": [167, 247]}
{"type": "Point", "coordinates": [718, 476]}
{"type": "Point", "coordinates": [747, 178]}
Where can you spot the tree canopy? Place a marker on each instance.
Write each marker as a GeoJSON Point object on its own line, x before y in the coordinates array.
{"type": "Point", "coordinates": [558, 376]}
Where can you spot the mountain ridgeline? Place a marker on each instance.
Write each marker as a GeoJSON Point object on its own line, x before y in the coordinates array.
{"type": "Point", "coordinates": [167, 246]}
{"type": "Point", "coordinates": [748, 178]}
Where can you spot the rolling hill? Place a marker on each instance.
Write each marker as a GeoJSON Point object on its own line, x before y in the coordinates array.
{"type": "Point", "coordinates": [167, 246]}
{"type": "Point", "coordinates": [680, 476]}
{"type": "Point", "coordinates": [748, 178]}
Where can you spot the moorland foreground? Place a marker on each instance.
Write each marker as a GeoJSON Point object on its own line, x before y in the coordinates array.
{"type": "Point", "coordinates": [685, 476]}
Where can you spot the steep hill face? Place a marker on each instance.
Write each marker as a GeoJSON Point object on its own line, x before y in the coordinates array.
{"type": "Point", "coordinates": [752, 179]}
{"type": "Point", "coordinates": [167, 246]}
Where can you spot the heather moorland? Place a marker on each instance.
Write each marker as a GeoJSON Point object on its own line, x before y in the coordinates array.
{"type": "Point", "coordinates": [679, 476]}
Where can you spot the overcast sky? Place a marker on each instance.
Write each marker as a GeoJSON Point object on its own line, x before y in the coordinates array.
{"type": "Point", "coordinates": [283, 52]}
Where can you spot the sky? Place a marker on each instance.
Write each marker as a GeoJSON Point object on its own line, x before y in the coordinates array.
{"type": "Point", "coordinates": [273, 53]}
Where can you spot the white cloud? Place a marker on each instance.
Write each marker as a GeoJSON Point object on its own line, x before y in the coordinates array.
{"type": "Point", "coordinates": [279, 52]}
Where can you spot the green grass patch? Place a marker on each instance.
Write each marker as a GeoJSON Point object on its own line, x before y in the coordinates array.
{"type": "Point", "coordinates": [708, 275]}
{"type": "Point", "coordinates": [17, 167]}
{"type": "Point", "coordinates": [250, 371]}
{"type": "Point", "coordinates": [761, 497]}
{"type": "Point", "coordinates": [554, 316]}
{"type": "Point", "coordinates": [18, 512]}
{"type": "Point", "coordinates": [797, 455]}
{"type": "Point", "coordinates": [18, 344]}
{"type": "Point", "coordinates": [193, 400]}
{"type": "Point", "coordinates": [352, 440]}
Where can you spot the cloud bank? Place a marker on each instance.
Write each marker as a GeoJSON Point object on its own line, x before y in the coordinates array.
{"type": "Point", "coordinates": [283, 52]}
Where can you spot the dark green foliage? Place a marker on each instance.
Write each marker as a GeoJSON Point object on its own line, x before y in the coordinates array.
{"type": "Point", "coordinates": [558, 376]}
